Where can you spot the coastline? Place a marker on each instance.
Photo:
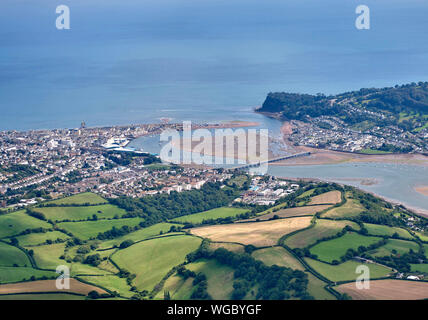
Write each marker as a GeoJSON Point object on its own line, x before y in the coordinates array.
{"type": "Point", "coordinates": [416, 210]}
{"type": "Point", "coordinates": [325, 156]}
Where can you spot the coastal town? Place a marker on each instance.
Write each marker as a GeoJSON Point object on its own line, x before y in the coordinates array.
{"type": "Point", "coordinates": [329, 132]}
{"type": "Point", "coordinates": [45, 164]}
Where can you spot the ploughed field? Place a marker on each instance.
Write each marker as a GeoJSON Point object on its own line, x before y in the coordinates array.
{"type": "Point", "coordinates": [259, 234]}
{"type": "Point", "coordinates": [387, 290]}
{"type": "Point", "coordinates": [321, 237]}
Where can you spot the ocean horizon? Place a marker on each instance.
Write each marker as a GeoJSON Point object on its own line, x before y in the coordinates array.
{"type": "Point", "coordinates": [136, 62]}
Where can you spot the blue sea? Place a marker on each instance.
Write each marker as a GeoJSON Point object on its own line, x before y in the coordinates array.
{"type": "Point", "coordinates": [136, 61]}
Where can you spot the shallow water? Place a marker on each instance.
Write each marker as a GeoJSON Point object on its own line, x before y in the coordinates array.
{"type": "Point", "coordinates": [394, 181]}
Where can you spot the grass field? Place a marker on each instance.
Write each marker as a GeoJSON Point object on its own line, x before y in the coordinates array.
{"type": "Point", "coordinates": [81, 198]}
{"type": "Point", "coordinates": [111, 282]}
{"type": "Point", "coordinates": [316, 288]}
{"type": "Point", "coordinates": [80, 213]}
{"type": "Point", "coordinates": [351, 208]}
{"type": "Point", "coordinates": [346, 271]}
{"type": "Point", "coordinates": [13, 274]}
{"type": "Point", "coordinates": [323, 228]}
{"type": "Point", "coordinates": [219, 277]}
{"type": "Point", "coordinates": [387, 290]}
{"type": "Point", "coordinates": [401, 246]}
{"type": "Point", "coordinates": [331, 197]}
{"type": "Point", "coordinates": [234, 247]}
{"type": "Point", "coordinates": [16, 222]}
{"type": "Point", "coordinates": [48, 286]}
{"type": "Point", "coordinates": [259, 234]}
{"type": "Point", "coordinates": [48, 257]}
{"type": "Point", "coordinates": [151, 260]}
{"type": "Point", "coordinates": [291, 212]}
{"type": "Point", "coordinates": [373, 151]}
{"type": "Point", "coordinates": [34, 239]}
{"type": "Point", "coordinates": [178, 288]}
{"type": "Point", "coordinates": [88, 229]}
{"type": "Point", "coordinates": [380, 230]}
{"type": "Point", "coordinates": [422, 236]}
{"type": "Point", "coordinates": [217, 213]}
{"type": "Point", "coordinates": [138, 235]}
{"type": "Point", "coordinates": [419, 268]}
{"type": "Point", "coordinates": [10, 256]}
{"type": "Point", "coordinates": [306, 194]}
{"type": "Point", "coordinates": [281, 257]}
{"type": "Point", "coordinates": [278, 256]}
{"type": "Point", "coordinates": [333, 249]}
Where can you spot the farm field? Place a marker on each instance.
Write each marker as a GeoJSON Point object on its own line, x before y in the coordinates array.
{"type": "Point", "coordinates": [48, 286]}
{"type": "Point", "coordinates": [334, 249]}
{"type": "Point", "coordinates": [278, 256]}
{"type": "Point", "coordinates": [387, 290]}
{"type": "Point", "coordinates": [291, 212]}
{"type": "Point", "coordinates": [259, 234]}
{"type": "Point", "coordinates": [139, 235]}
{"type": "Point", "coordinates": [219, 277]}
{"type": "Point", "coordinates": [234, 247]}
{"type": "Point", "coordinates": [81, 198]}
{"type": "Point", "coordinates": [323, 228]}
{"type": "Point", "coordinates": [10, 256]}
{"type": "Point", "coordinates": [34, 239]}
{"type": "Point", "coordinates": [419, 268]}
{"type": "Point", "coordinates": [110, 282]}
{"type": "Point", "coordinates": [48, 257]}
{"type": "Point", "coordinates": [14, 223]}
{"type": "Point", "coordinates": [346, 271]}
{"type": "Point", "coordinates": [15, 274]}
{"type": "Point", "coordinates": [217, 213]}
{"type": "Point", "coordinates": [281, 257]}
{"type": "Point", "coordinates": [381, 230]}
{"type": "Point", "coordinates": [422, 236]}
{"type": "Point", "coordinates": [152, 259]}
{"type": "Point", "coordinates": [316, 288]}
{"type": "Point", "coordinates": [178, 288]}
{"type": "Point", "coordinates": [306, 194]}
{"type": "Point", "coordinates": [351, 208]}
{"type": "Point", "coordinates": [88, 229]}
{"type": "Point", "coordinates": [331, 197]}
{"type": "Point", "coordinates": [270, 210]}
{"type": "Point", "coordinates": [400, 246]}
{"type": "Point", "coordinates": [80, 213]}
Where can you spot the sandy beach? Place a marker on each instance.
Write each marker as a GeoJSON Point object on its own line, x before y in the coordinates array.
{"type": "Point", "coordinates": [322, 156]}
{"type": "Point", "coordinates": [422, 190]}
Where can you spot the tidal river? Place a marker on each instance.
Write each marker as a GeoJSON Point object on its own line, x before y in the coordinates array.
{"type": "Point", "coordinates": [395, 182]}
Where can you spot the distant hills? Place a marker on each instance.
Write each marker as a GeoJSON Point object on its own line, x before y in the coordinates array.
{"type": "Point", "coordinates": [392, 119]}
{"type": "Point", "coordinates": [405, 105]}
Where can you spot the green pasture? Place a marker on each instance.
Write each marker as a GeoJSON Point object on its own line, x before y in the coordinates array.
{"type": "Point", "coordinates": [151, 260]}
